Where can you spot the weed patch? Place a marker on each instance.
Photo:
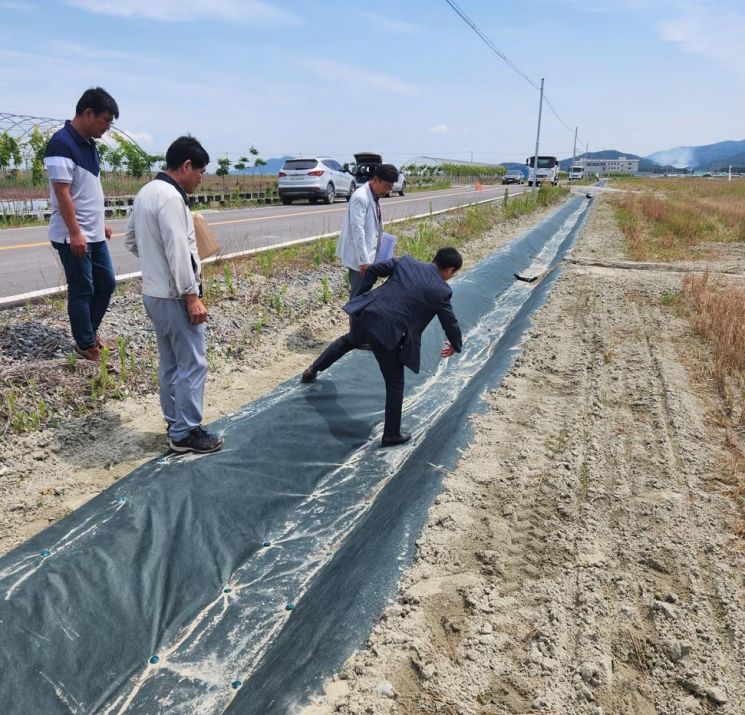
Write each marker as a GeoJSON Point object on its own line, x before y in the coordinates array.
{"type": "Point", "coordinates": [673, 220]}
{"type": "Point", "coordinates": [716, 315]}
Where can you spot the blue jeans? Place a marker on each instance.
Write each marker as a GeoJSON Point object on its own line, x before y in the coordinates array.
{"type": "Point", "coordinates": [90, 283]}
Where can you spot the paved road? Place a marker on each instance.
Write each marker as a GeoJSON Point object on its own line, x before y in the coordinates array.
{"type": "Point", "coordinates": [29, 263]}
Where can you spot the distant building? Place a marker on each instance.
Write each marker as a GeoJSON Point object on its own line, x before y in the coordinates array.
{"type": "Point", "coordinates": [622, 165]}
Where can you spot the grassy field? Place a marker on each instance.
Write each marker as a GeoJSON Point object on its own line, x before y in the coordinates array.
{"type": "Point", "coordinates": [678, 218]}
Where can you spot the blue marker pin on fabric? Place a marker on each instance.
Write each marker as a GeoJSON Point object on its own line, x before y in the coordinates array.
{"type": "Point", "coordinates": [45, 552]}
{"type": "Point", "coordinates": [154, 659]}
{"type": "Point", "coordinates": [235, 684]}
{"type": "Point", "coordinates": [289, 607]}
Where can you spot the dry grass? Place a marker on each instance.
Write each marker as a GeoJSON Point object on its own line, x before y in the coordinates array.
{"type": "Point", "coordinates": [670, 219]}
{"type": "Point", "coordinates": [716, 312]}
{"type": "Point", "coordinates": [717, 315]}
{"type": "Point", "coordinates": [679, 219]}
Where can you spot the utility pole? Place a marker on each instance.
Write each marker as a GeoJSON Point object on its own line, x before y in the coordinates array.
{"type": "Point", "coordinates": [537, 142]}
{"type": "Point", "coordinates": [574, 152]}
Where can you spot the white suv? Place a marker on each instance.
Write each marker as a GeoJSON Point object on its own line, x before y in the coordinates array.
{"type": "Point", "coordinates": [313, 179]}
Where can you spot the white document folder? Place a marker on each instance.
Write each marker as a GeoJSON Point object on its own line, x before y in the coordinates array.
{"type": "Point", "coordinates": [385, 249]}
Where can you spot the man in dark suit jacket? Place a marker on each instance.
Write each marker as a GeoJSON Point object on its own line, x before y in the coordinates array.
{"type": "Point", "coordinates": [391, 320]}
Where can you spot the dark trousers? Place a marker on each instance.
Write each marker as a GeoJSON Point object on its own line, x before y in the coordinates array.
{"type": "Point", "coordinates": [388, 362]}
{"type": "Point", "coordinates": [90, 283]}
{"type": "Point", "coordinates": [355, 278]}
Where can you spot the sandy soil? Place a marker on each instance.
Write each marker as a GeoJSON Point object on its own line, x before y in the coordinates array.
{"type": "Point", "coordinates": [592, 568]}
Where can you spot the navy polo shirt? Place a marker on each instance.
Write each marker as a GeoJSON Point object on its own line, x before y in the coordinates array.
{"type": "Point", "coordinates": [70, 159]}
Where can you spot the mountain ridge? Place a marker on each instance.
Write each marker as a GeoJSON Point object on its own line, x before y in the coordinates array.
{"type": "Point", "coordinates": [705, 157]}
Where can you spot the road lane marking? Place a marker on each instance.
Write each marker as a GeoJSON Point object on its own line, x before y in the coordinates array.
{"type": "Point", "coordinates": [56, 290]}
{"type": "Point", "coordinates": [25, 245]}
{"type": "Point", "coordinates": [260, 218]}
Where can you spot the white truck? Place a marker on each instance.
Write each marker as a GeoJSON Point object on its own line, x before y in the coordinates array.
{"type": "Point", "coordinates": [548, 170]}
{"type": "Point", "coordinates": [577, 173]}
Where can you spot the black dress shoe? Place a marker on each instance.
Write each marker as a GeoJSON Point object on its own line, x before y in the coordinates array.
{"type": "Point", "coordinates": [393, 440]}
{"type": "Point", "coordinates": [309, 375]}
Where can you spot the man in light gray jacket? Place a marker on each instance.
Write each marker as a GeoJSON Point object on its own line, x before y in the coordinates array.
{"type": "Point", "coordinates": [363, 226]}
{"type": "Point", "coordinates": [161, 233]}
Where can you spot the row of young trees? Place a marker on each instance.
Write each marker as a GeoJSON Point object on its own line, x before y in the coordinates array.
{"type": "Point", "coordinates": [251, 160]}
{"type": "Point", "coordinates": [127, 157]}
{"type": "Point", "coordinates": [23, 154]}
{"type": "Point", "coordinates": [245, 162]}
{"type": "Point", "coordinates": [26, 154]}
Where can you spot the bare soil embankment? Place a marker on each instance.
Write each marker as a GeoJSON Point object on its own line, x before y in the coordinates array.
{"type": "Point", "coordinates": [581, 557]}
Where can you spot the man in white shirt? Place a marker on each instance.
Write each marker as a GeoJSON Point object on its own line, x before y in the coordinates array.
{"type": "Point", "coordinates": [363, 226]}
{"type": "Point", "coordinates": [161, 233]}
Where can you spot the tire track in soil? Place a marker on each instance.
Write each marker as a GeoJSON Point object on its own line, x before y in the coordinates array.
{"type": "Point", "coordinates": [577, 560]}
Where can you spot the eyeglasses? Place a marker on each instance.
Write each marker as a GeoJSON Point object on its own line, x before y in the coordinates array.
{"type": "Point", "coordinates": [107, 118]}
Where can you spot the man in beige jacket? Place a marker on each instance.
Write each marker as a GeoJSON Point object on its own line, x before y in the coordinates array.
{"type": "Point", "coordinates": [161, 233]}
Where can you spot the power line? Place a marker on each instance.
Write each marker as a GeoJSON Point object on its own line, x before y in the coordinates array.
{"type": "Point", "coordinates": [490, 44]}
{"type": "Point", "coordinates": [506, 59]}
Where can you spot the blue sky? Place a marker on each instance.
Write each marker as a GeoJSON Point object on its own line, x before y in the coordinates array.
{"type": "Point", "coordinates": [405, 78]}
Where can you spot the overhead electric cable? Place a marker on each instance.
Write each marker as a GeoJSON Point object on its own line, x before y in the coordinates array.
{"type": "Point", "coordinates": [504, 57]}
{"type": "Point", "coordinates": [490, 44]}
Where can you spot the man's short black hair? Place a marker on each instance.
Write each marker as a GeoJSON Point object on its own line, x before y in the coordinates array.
{"type": "Point", "coordinates": [185, 148]}
{"type": "Point", "coordinates": [99, 100]}
{"type": "Point", "coordinates": [386, 172]}
{"type": "Point", "coordinates": [448, 257]}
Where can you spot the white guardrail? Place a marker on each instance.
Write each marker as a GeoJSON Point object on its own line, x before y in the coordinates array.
{"type": "Point", "coordinates": [32, 296]}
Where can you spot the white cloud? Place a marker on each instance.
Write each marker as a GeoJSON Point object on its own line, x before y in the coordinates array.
{"type": "Point", "coordinates": [17, 6]}
{"type": "Point", "coordinates": [354, 78]}
{"type": "Point", "coordinates": [439, 129]}
{"type": "Point", "coordinates": [72, 49]}
{"type": "Point", "coordinates": [386, 23]}
{"type": "Point", "coordinates": [142, 138]}
{"type": "Point", "coordinates": [244, 11]}
{"type": "Point", "coordinates": [707, 28]}
{"type": "Point", "coordinates": [713, 30]}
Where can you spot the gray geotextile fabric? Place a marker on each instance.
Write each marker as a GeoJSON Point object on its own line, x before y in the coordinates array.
{"type": "Point", "coordinates": [238, 581]}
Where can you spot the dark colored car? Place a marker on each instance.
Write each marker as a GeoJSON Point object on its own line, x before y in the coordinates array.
{"type": "Point", "coordinates": [365, 166]}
